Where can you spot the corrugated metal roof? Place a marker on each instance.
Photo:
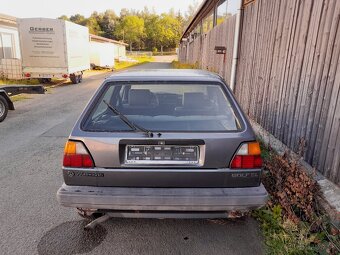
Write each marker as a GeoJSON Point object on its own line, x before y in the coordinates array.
{"type": "Point", "coordinates": [103, 39]}
{"type": "Point", "coordinates": [204, 9]}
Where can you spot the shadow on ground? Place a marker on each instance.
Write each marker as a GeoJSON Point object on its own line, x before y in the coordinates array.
{"type": "Point", "coordinates": [71, 238]}
{"type": "Point", "coordinates": [154, 236]}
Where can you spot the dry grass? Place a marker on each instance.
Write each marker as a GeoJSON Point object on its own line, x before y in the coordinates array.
{"type": "Point", "coordinates": [292, 222]}
{"type": "Point", "coordinates": [179, 65]}
{"type": "Point", "coordinates": [139, 60]}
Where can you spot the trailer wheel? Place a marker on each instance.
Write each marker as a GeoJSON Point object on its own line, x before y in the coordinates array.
{"type": "Point", "coordinates": [80, 77]}
{"type": "Point", "coordinates": [44, 80]}
{"type": "Point", "coordinates": [3, 108]}
{"type": "Point", "coordinates": [74, 78]}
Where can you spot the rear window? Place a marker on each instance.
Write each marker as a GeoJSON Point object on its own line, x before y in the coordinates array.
{"type": "Point", "coordinates": [163, 107]}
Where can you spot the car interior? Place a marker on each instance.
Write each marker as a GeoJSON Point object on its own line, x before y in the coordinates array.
{"type": "Point", "coordinates": [145, 102]}
{"type": "Point", "coordinates": [160, 108]}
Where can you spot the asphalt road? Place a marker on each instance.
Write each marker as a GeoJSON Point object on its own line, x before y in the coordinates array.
{"type": "Point", "coordinates": [31, 220]}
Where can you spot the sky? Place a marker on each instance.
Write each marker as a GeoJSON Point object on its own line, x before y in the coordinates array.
{"type": "Point", "coordinates": [56, 8]}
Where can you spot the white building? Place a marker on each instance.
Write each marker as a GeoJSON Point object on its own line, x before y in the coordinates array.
{"type": "Point", "coordinates": [119, 47]}
{"type": "Point", "coordinates": [10, 63]}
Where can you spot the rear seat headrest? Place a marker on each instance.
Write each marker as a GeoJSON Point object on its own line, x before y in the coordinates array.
{"type": "Point", "coordinates": [193, 99]}
{"type": "Point", "coordinates": [140, 97]}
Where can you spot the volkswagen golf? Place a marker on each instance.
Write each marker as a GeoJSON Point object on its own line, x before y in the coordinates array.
{"type": "Point", "coordinates": [162, 143]}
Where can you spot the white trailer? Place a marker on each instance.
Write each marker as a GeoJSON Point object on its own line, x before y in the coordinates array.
{"type": "Point", "coordinates": [102, 54]}
{"type": "Point", "coordinates": [53, 48]}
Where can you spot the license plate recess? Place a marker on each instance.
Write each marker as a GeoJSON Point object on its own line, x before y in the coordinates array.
{"type": "Point", "coordinates": [162, 154]}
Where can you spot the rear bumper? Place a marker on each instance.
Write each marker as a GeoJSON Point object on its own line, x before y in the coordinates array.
{"type": "Point", "coordinates": [162, 199]}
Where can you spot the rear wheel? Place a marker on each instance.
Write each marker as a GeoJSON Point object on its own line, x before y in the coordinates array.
{"type": "Point", "coordinates": [3, 108]}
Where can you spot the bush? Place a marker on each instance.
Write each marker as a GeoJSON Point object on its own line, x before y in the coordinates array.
{"type": "Point", "coordinates": [291, 221]}
{"type": "Point", "coordinates": [290, 186]}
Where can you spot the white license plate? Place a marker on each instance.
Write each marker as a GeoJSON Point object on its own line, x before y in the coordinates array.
{"type": "Point", "coordinates": [161, 154]}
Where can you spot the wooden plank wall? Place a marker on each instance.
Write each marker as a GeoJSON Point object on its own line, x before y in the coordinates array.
{"type": "Point", "coordinates": [288, 76]}
{"type": "Point", "coordinates": [201, 50]}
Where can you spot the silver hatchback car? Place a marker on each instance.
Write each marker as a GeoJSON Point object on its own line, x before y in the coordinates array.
{"type": "Point", "coordinates": [162, 143]}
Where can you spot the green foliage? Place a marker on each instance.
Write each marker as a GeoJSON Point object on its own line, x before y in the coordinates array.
{"type": "Point", "coordinates": [178, 65]}
{"type": "Point", "coordinates": [292, 222]}
{"type": "Point", "coordinates": [63, 17]}
{"type": "Point", "coordinates": [164, 53]}
{"type": "Point", "coordinates": [190, 12]}
{"type": "Point", "coordinates": [284, 237]}
{"type": "Point", "coordinates": [79, 19]}
{"type": "Point", "coordinates": [93, 25]}
{"type": "Point", "coordinates": [20, 97]}
{"type": "Point", "coordinates": [19, 82]}
{"type": "Point", "coordinates": [167, 31]}
{"type": "Point", "coordinates": [140, 60]}
{"type": "Point", "coordinates": [130, 29]}
{"type": "Point", "coordinates": [141, 29]}
{"type": "Point", "coordinates": [107, 22]}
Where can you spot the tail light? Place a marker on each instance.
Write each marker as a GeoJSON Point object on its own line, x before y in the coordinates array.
{"type": "Point", "coordinates": [27, 75]}
{"type": "Point", "coordinates": [76, 155]}
{"type": "Point", "coordinates": [248, 156]}
{"type": "Point", "coordinates": [65, 76]}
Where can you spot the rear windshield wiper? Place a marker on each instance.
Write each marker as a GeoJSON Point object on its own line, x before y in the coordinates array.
{"type": "Point", "coordinates": [132, 125]}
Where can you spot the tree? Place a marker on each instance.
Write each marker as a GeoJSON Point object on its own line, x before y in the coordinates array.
{"type": "Point", "coordinates": [130, 29]}
{"type": "Point", "coordinates": [191, 12]}
{"type": "Point", "coordinates": [107, 23]}
{"type": "Point", "coordinates": [78, 19]}
{"type": "Point", "coordinates": [167, 31]}
{"type": "Point", "coordinates": [181, 20]}
{"type": "Point", "coordinates": [124, 12]}
{"type": "Point", "coordinates": [63, 17]}
{"type": "Point", "coordinates": [151, 30]}
{"type": "Point", "coordinates": [93, 25]}
{"type": "Point", "coordinates": [143, 29]}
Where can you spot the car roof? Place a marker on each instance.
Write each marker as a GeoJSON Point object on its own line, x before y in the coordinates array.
{"type": "Point", "coordinates": [165, 75]}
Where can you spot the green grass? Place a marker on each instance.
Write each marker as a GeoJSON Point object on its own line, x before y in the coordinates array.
{"type": "Point", "coordinates": [140, 60]}
{"type": "Point", "coordinates": [284, 236]}
{"type": "Point", "coordinates": [19, 97]}
{"type": "Point", "coordinates": [4, 82]}
{"type": "Point", "coordinates": [178, 65]}
{"type": "Point", "coordinates": [266, 153]}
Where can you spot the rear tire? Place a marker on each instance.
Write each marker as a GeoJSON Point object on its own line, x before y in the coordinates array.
{"type": "Point", "coordinates": [3, 108]}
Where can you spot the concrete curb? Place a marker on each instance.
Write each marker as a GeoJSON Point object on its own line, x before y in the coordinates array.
{"type": "Point", "coordinates": [330, 192]}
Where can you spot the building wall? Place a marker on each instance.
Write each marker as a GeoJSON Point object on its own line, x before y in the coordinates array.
{"type": "Point", "coordinates": [201, 50]}
{"type": "Point", "coordinates": [120, 51]}
{"type": "Point", "coordinates": [288, 76]}
{"type": "Point", "coordinates": [288, 73]}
